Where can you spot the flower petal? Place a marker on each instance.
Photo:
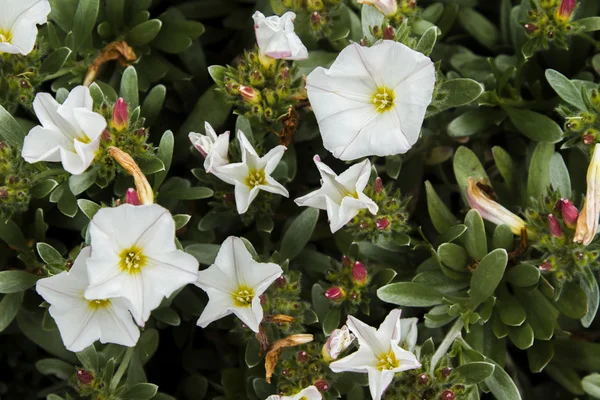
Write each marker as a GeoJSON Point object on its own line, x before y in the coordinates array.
{"type": "Point", "coordinates": [219, 306]}
{"type": "Point", "coordinates": [389, 330]}
{"type": "Point", "coordinates": [366, 335]}
{"type": "Point", "coordinates": [356, 177]}
{"type": "Point", "coordinates": [91, 123]}
{"type": "Point", "coordinates": [407, 359]}
{"type": "Point", "coordinates": [273, 186]}
{"type": "Point", "coordinates": [379, 381]}
{"type": "Point", "coordinates": [250, 316]}
{"type": "Point", "coordinates": [43, 144]}
{"type": "Point", "coordinates": [24, 30]}
{"type": "Point", "coordinates": [358, 361]}
{"type": "Point", "coordinates": [116, 325]}
{"type": "Point", "coordinates": [244, 197]}
{"type": "Point", "coordinates": [77, 326]}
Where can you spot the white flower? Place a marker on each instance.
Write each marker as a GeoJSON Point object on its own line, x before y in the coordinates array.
{"type": "Point", "coordinates": [81, 322]}
{"type": "Point", "coordinates": [276, 38]}
{"type": "Point", "coordinates": [587, 222]}
{"type": "Point", "coordinates": [18, 20]}
{"type": "Point", "coordinates": [309, 393]}
{"type": "Point", "coordinates": [387, 7]}
{"type": "Point", "coordinates": [408, 333]}
{"type": "Point", "coordinates": [234, 283]}
{"type": "Point", "coordinates": [338, 341]}
{"type": "Point", "coordinates": [134, 256]}
{"type": "Point", "coordinates": [212, 147]}
{"type": "Point", "coordinates": [252, 174]}
{"type": "Point", "coordinates": [69, 133]}
{"type": "Point", "coordinates": [378, 354]}
{"type": "Point", "coordinates": [342, 196]}
{"type": "Point", "coordinates": [372, 100]}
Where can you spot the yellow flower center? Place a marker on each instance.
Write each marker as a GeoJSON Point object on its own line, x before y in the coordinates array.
{"type": "Point", "coordinates": [242, 296]}
{"type": "Point", "coordinates": [5, 36]}
{"type": "Point", "coordinates": [387, 361]}
{"type": "Point", "coordinates": [132, 260]}
{"type": "Point", "coordinates": [256, 177]}
{"type": "Point", "coordinates": [383, 99]}
{"type": "Point", "coordinates": [96, 304]}
{"type": "Point", "coordinates": [83, 139]}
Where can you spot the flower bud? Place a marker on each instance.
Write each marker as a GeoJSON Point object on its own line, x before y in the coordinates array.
{"type": "Point", "coordinates": [545, 266]}
{"type": "Point", "coordinates": [85, 377]}
{"type": "Point", "coordinates": [565, 10]}
{"type": "Point", "coordinates": [447, 395]}
{"type": "Point", "coordinates": [446, 372]}
{"type": "Point", "coordinates": [302, 356]}
{"type": "Point", "coordinates": [315, 18]}
{"type": "Point", "coordinates": [389, 33]}
{"type": "Point", "coordinates": [346, 262]}
{"type": "Point", "coordinates": [569, 212]}
{"type": "Point", "coordinates": [338, 341]}
{"type": "Point", "coordinates": [382, 223]}
{"type": "Point", "coordinates": [322, 385]}
{"type": "Point", "coordinates": [359, 273]}
{"type": "Point", "coordinates": [588, 139]}
{"type": "Point", "coordinates": [554, 226]}
{"type": "Point", "coordinates": [387, 7]}
{"type": "Point", "coordinates": [378, 185]}
{"type": "Point", "coordinates": [249, 94]}
{"type": "Point", "coordinates": [335, 293]}
{"type": "Point", "coordinates": [131, 197]}
{"type": "Point", "coordinates": [120, 117]}
{"type": "Point", "coordinates": [281, 281]}
{"type": "Point", "coordinates": [530, 28]}
{"type": "Point", "coordinates": [3, 193]}
{"type": "Point", "coordinates": [423, 379]}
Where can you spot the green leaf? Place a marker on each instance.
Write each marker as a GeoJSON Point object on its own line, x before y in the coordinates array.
{"type": "Point", "coordinates": [56, 367]}
{"type": "Point", "coordinates": [593, 298]}
{"type": "Point", "coordinates": [30, 323]}
{"type": "Point", "coordinates": [10, 130]}
{"type": "Point", "coordinates": [565, 89]}
{"type": "Point", "coordinates": [503, 238]}
{"type": "Point", "coordinates": [479, 27]}
{"type": "Point", "coordinates": [475, 121]}
{"type": "Point", "coordinates": [217, 72]}
{"type": "Point", "coordinates": [167, 315]}
{"type": "Point", "coordinates": [88, 357]}
{"type": "Point", "coordinates": [410, 294]}
{"type": "Point", "coordinates": [466, 164]}
{"type": "Point", "coordinates": [143, 33]}
{"type": "Point", "coordinates": [49, 254]}
{"type": "Point", "coordinates": [252, 354]}
{"type": "Point", "coordinates": [80, 183]}
{"type": "Point", "coordinates": [129, 88]}
{"type": "Point", "coordinates": [55, 61]}
{"type": "Point", "coordinates": [298, 233]}
{"type": "Point", "coordinates": [510, 310]}
{"type": "Point", "coordinates": [188, 193]}
{"type": "Point", "coordinates": [474, 238]}
{"type": "Point", "coordinates": [501, 385]}
{"type": "Point", "coordinates": [370, 17]}
{"type": "Point", "coordinates": [115, 10]}
{"type": "Point", "coordinates": [181, 220]}
{"type": "Point", "coordinates": [523, 275]}
{"type": "Point", "coordinates": [16, 281]}
{"type": "Point", "coordinates": [591, 384]}
{"type": "Point", "coordinates": [11, 234]}
{"type": "Point", "coordinates": [476, 372]}
{"type": "Point", "coordinates": [141, 391]}
{"type": "Point", "coordinates": [453, 256]}
{"type": "Point", "coordinates": [427, 41]}
{"type": "Point", "coordinates": [332, 320]}
{"type": "Point", "coordinates": [539, 170]}
{"type": "Point", "coordinates": [165, 154]}
{"type": "Point", "coordinates": [205, 253]}
{"type": "Point", "coordinates": [589, 24]}
{"type": "Point", "coordinates": [487, 276]}
{"type": "Point", "coordinates": [153, 104]}
{"type": "Point", "coordinates": [441, 217]}
{"type": "Point", "coordinates": [88, 207]}
{"type": "Point", "coordinates": [9, 308]}
{"type": "Point", "coordinates": [566, 377]}
{"type": "Point", "coordinates": [535, 126]}
{"type": "Point", "coordinates": [539, 355]}
{"type": "Point", "coordinates": [460, 91]}
{"type": "Point", "coordinates": [559, 176]}
{"type": "Point", "coordinates": [572, 301]}
{"type": "Point", "coordinates": [541, 314]}
{"type": "Point", "coordinates": [84, 21]}
{"type": "Point", "coordinates": [67, 203]}
{"type": "Point", "coordinates": [211, 107]}
{"type": "Point", "coordinates": [43, 188]}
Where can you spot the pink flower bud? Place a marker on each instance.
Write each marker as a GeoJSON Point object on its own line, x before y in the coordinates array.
{"type": "Point", "coordinates": [382, 223]}
{"type": "Point", "coordinates": [120, 117]}
{"type": "Point", "coordinates": [281, 281]}
{"type": "Point", "coordinates": [554, 226]}
{"type": "Point", "coordinates": [359, 273]}
{"type": "Point", "coordinates": [84, 376]}
{"type": "Point", "coordinates": [302, 356]}
{"type": "Point", "coordinates": [545, 266]}
{"type": "Point", "coordinates": [315, 18]}
{"type": "Point", "coordinates": [335, 293]}
{"type": "Point", "coordinates": [447, 395]}
{"type": "Point", "coordinates": [378, 185]}
{"type": "Point", "coordinates": [249, 94]}
{"type": "Point", "coordinates": [565, 10]}
{"type": "Point", "coordinates": [105, 135]}
{"type": "Point", "coordinates": [587, 139]}
{"type": "Point", "coordinates": [530, 28]}
{"type": "Point", "coordinates": [322, 385]}
{"type": "Point", "coordinates": [569, 212]}
{"type": "Point", "coordinates": [389, 33]}
{"type": "Point", "coordinates": [346, 262]}
{"type": "Point", "coordinates": [131, 197]}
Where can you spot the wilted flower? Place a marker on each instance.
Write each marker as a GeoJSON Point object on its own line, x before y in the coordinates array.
{"type": "Point", "coordinates": [587, 222]}
{"type": "Point", "coordinates": [18, 20]}
{"type": "Point", "coordinates": [387, 7]}
{"type": "Point", "coordinates": [372, 100]}
{"type": "Point", "coordinates": [342, 196]}
{"type": "Point", "coordinates": [144, 191]}
{"type": "Point", "coordinates": [276, 38]}
{"type": "Point", "coordinates": [213, 148]}
{"type": "Point", "coordinates": [70, 132]}
{"type": "Point", "coordinates": [309, 393]}
{"type": "Point", "coordinates": [80, 321]}
{"type": "Point", "coordinates": [490, 210]}
{"type": "Point", "coordinates": [120, 117]}
{"type": "Point", "coordinates": [338, 341]}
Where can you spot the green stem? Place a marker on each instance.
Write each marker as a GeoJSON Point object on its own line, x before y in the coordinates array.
{"type": "Point", "coordinates": [451, 336]}
{"type": "Point", "coordinates": [589, 39]}
{"type": "Point", "coordinates": [114, 382]}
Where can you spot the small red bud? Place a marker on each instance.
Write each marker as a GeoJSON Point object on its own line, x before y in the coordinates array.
{"type": "Point", "coordinates": [424, 379]}
{"type": "Point", "coordinates": [554, 226]}
{"type": "Point", "coordinates": [446, 372]}
{"type": "Point", "coordinates": [359, 273]}
{"type": "Point", "coordinates": [346, 262]}
{"type": "Point", "coordinates": [322, 385]}
{"type": "Point", "coordinates": [545, 266]}
{"type": "Point", "coordinates": [389, 33]}
{"type": "Point", "coordinates": [105, 135]}
{"type": "Point", "coordinates": [447, 395]}
{"type": "Point", "coordinates": [302, 356]}
{"type": "Point", "coordinates": [315, 18]}
{"type": "Point", "coordinates": [334, 293]}
{"type": "Point", "coordinates": [382, 223]}
{"type": "Point", "coordinates": [569, 212]}
{"type": "Point", "coordinates": [84, 376]}
{"type": "Point", "coordinates": [120, 117]}
{"type": "Point", "coordinates": [587, 139]}
{"type": "Point", "coordinates": [281, 281]}
{"type": "Point", "coordinates": [131, 197]}
{"type": "Point", "coordinates": [263, 299]}
{"type": "Point", "coordinates": [378, 185]}
{"type": "Point", "coordinates": [530, 28]}
{"type": "Point", "coordinates": [249, 94]}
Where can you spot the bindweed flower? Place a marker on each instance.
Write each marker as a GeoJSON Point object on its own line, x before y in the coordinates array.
{"type": "Point", "coordinates": [213, 148]}
{"type": "Point", "coordinates": [387, 7]}
{"type": "Point", "coordinates": [70, 132]}
{"type": "Point", "coordinates": [131, 197]}
{"type": "Point", "coordinates": [587, 222]}
{"type": "Point", "coordinates": [252, 174]}
{"type": "Point", "coordinates": [372, 100]}
{"type": "Point", "coordinates": [134, 256]}
{"type": "Point", "coordinates": [554, 226]}
{"type": "Point", "coordinates": [342, 196]}
{"type": "Point", "coordinates": [490, 210]}
{"type": "Point", "coordinates": [276, 38]}
{"type": "Point", "coordinates": [408, 333]}
{"type": "Point", "coordinates": [234, 284]}
{"type": "Point", "coordinates": [569, 212]}
{"type": "Point", "coordinates": [338, 341]}
{"type": "Point", "coordinates": [309, 393]}
{"type": "Point", "coordinates": [564, 12]}
{"type": "Point", "coordinates": [120, 117]}
{"type": "Point", "coordinates": [18, 20]}
{"type": "Point", "coordinates": [80, 321]}
{"type": "Point", "coordinates": [378, 354]}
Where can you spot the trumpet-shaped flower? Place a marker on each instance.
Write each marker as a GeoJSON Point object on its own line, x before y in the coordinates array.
{"type": "Point", "coordinates": [587, 222]}
{"type": "Point", "coordinates": [379, 354]}
{"type": "Point", "coordinates": [70, 132]}
{"type": "Point", "coordinates": [213, 148]}
{"type": "Point", "coordinates": [234, 283]}
{"type": "Point", "coordinates": [342, 196]}
{"type": "Point", "coordinates": [18, 20]}
{"type": "Point", "coordinates": [408, 333]}
{"type": "Point", "coordinates": [490, 210]}
{"type": "Point", "coordinates": [80, 321]}
{"type": "Point", "coordinates": [309, 393]}
{"type": "Point", "coordinates": [338, 341]}
{"type": "Point", "coordinates": [387, 7]}
{"type": "Point", "coordinates": [276, 38]}
{"type": "Point", "coordinates": [372, 100]}
{"type": "Point", "coordinates": [252, 174]}
{"type": "Point", "coordinates": [134, 256]}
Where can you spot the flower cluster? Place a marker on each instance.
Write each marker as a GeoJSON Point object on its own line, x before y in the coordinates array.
{"type": "Point", "coordinates": [317, 15]}
{"type": "Point", "coordinates": [16, 181]}
{"type": "Point", "coordinates": [583, 126]}
{"type": "Point", "coordinates": [551, 21]}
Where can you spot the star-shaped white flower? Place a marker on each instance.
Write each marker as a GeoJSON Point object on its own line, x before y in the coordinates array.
{"type": "Point", "coordinates": [309, 393]}
{"type": "Point", "coordinates": [70, 132]}
{"type": "Point", "coordinates": [379, 354]}
{"type": "Point", "coordinates": [342, 196]}
{"type": "Point", "coordinates": [134, 256]}
{"type": "Point", "coordinates": [234, 283]}
{"type": "Point", "coordinates": [80, 321]}
{"type": "Point", "coordinates": [252, 174]}
{"type": "Point", "coordinates": [18, 20]}
{"type": "Point", "coordinates": [213, 148]}
{"type": "Point", "coordinates": [372, 100]}
{"type": "Point", "coordinates": [276, 38]}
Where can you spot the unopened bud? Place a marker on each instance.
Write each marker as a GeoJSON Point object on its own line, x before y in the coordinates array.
{"type": "Point", "coordinates": [588, 139]}
{"type": "Point", "coordinates": [105, 135]}
{"type": "Point", "coordinates": [120, 117]}
{"type": "Point", "coordinates": [545, 266]}
{"type": "Point", "coordinates": [447, 395]}
{"type": "Point", "coordinates": [554, 226]}
{"type": "Point", "coordinates": [389, 33]}
{"type": "Point", "coordinates": [530, 28]}
{"type": "Point", "coordinates": [378, 185]}
{"type": "Point", "coordinates": [569, 212]}
{"type": "Point", "coordinates": [249, 94]}
{"type": "Point", "coordinates": [131, 197]}
{"type": "Point", "coordinates": [338, 341]}
{"type": "Point", "coordinates": [565, 10]}
{"type": "Point", "coordinates": [281, 281]}
{"type": "Point", "coordinates": [335, 293]}
{"type": "Point", "coordinates": [446, 372]}
{"type": "Point", "coordinates": [322, 385]}
{"type": "Point", "coordinates": [302, 356]}
{"type": "Point", "coordinates": [3, 193]}
{"type": "Point", "coordinates": [359, 273]}
{"type": "Point", "coordinates": [423, 379]}
{"type": "Point", "coordinates": [382, 223]}
{"type": "Point", "coordinates": [315, 18]}
{"type": "Point", "coordinates": [346, 262]}
{"type": "Point", "coordinates": [85, 377]}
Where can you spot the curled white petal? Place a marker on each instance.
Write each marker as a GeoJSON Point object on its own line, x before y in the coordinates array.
{"type": "Point", "coordinates": [18, 24]}
{"type": "Point", "coordinates": [276, 37]}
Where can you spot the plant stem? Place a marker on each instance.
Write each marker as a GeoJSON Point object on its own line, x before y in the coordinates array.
{"type": "Point", "coordinates": [451, 336]}
{"type": "Point", "coordinates": [114, 382]}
